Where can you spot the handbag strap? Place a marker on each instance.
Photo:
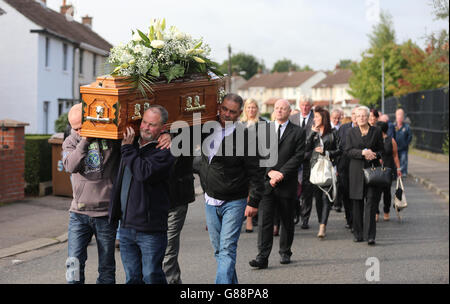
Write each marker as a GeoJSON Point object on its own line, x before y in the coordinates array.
{"type": "Point", "coordinates": [401, 183]}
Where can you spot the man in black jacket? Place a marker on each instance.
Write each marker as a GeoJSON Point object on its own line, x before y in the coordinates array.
{"type": "Point", "coordinates": [181, 193]}
{"type": "Point", "coordinates": [141, 200]}
{"type": "Point", "coordinates": [233, 186]}
{"type": "Point", "coordinates": [305, 119]}
{"type": "Point", "coordinates": [342, 169]}
{"type": "Point", "coordinates": [280, 188]}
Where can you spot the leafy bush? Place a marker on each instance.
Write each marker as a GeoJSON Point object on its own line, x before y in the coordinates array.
{"type": "Point", "coordinates": [266, 115]}
{"type": "Point", "coordinates": [61, 123]}
{"type": "Point", "coordinates": [38, 162]}
{"type": "Point", "coordinates": [445, 145]}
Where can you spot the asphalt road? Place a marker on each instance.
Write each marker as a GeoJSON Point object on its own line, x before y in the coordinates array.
{"type": "Point", "coordinates": [415, 250]}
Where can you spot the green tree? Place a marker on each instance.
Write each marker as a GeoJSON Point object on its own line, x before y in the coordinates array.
{"type": "Point", "coordinates": [365, 83]}
{"type": "Point", "coordinates": [286, 65]}
{"type": "Point", "coordinates": [438, 43]}
{"type": "Point", "coordinates": [423, 71]}
{"type": "Point", "coordinates": [344, 64]}
{"type": "Point", "coordinates": [242, 62]}
{"type": "Point", "coordinates": [383, 32]}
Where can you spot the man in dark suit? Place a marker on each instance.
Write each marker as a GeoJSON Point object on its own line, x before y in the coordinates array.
{"type": "Point", "coordinates": [280, 188]}
{"type": "Point", "coordinates": [305, 119]}
{"type": "Point", "coordinates": [342, 169]}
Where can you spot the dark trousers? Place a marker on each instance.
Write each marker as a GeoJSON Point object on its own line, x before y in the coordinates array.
{"type": "Point", "coordinates": [266, 210]}
{"type": "Point", "coordinates": [307, 195]}
{"type": "Point", "coordinates": [340, 196]}
{"type": "Point", "coordinates": [175, 223]}
{"type": "Point", "coordinates": [343, 192]}
{"type": "Point", "coordinates": [364, 211]}
{"type": "Point", "coordinates": [387, 199]}
{"type": "Point", "coordinates": [323, 205]}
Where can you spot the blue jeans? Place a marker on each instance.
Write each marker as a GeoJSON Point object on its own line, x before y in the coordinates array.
{"type": "Point", "coordinates": [81, 229]}
{"type": "Point", "coordinates": [403, 156]}
{"type": "Point", "coordinates": [142, 256]}
{"type": "Point", "coordinates": [224, 227]}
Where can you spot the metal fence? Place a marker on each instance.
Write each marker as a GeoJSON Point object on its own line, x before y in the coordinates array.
{"type": "Point", "coordinates": [427, 112]}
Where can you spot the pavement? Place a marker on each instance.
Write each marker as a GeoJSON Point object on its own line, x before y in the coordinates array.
{"type": "Point", "coordinates": [430, 173]}
{"type": "Point", "coordinates": [39, 222]}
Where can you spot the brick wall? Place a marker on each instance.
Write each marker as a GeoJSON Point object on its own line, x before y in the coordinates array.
{"type": "Point", "coordinates": [12, 160]}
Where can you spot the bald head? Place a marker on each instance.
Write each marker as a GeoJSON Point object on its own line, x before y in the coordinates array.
{"type": "Point", "coordinates": [74, 117]}
{"type": "Point", "coordinates": [384, 118]}
{"type": "Point", "coordinates": [282, 110]}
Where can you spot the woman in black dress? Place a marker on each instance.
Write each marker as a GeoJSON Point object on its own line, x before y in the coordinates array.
{"type": "Point", "coordinates": [390, 160]}
{"type": "Point", "coordinates": [322, 141]}
{"type": "Point", "coordinates": [364, 147]}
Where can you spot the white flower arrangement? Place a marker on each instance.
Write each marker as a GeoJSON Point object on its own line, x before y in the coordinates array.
{"type": "Point", "coordinates": [160, 54]}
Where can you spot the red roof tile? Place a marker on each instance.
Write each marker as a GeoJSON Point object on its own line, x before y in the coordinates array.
{"type": "Point", "coordinates": [278, 80]}
{"type": "Point", "coordinates": [337, 77]}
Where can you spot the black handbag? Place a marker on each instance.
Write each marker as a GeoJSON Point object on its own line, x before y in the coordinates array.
{"type": "Point", "coordinates": [377, 176]}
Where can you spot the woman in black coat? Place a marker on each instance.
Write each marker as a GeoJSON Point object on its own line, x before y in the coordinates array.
{"type": "Point", "coordinates": [322, 141]}
{"type": "Point", "coordinates": [364, 146]}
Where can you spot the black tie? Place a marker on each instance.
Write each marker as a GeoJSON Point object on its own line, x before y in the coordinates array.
{"type": "Point", "coordinates": [303, 123]}
{"type": "Point", "coordinates": [279, 132]}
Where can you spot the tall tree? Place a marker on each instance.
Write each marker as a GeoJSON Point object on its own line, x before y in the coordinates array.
{"type": "Point", "coordinates": [286, 65]}
{"type": "Point", "coordinates": [244, 64]}
{"type": "Point", "coordinates": [438, 43]}
{"type": "Point", "coordinates": [366, 80]}
{"type": "Point", "coordinates": [344, 64]}
{"type": "Point", "coordinates": [423, 71]}
{"type": "Point", "coordinates": [383, 33]}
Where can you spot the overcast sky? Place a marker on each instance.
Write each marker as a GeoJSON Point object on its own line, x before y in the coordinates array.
{"type": "Point", "coordinates": [314, 32]}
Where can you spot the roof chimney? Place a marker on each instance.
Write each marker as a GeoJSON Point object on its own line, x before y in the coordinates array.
{"type": "Point", "coordinates": [86, 20]}
{"type": "Point", "coordinates": [67, 9]}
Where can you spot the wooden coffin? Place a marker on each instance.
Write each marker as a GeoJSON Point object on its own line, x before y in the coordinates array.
{"type": "Point", "coordinates": [110, 104]}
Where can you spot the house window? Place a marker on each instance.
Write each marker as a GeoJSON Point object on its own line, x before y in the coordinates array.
{"type": "Point", "coordinates": [46, 110]}
{"type": "Point", "coordinates": [60, 107]}
{"type": "Point", "coordinates": [81, 61]}
{"type": "Point", "coordinates": [94, 70]}
{"type": "Point", "coordinates": [47, 52]}
{"type": "Point", "coordinates": [64, 57]}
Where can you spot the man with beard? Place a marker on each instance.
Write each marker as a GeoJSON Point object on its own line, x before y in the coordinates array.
{"type": "Point", "coordinates": [141, 200]}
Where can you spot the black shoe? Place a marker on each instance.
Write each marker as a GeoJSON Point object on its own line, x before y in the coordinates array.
{"type": "Point", "coordinates": [371, 242]}
{"type": "Point", "coordinates": [258, 264]}
{"type": "Point", "coordinates": [296, 219]}
{"type": "Point", "coordinates": [249, 230]}
{"type": "Point", "coordinates": [304, 225]}
{"type": "Point", "coordinates": [338, 209]}
{"type": "Point", "coordinates": [357, 240]}
{"type": "Point", "coordinates": [285, 259]}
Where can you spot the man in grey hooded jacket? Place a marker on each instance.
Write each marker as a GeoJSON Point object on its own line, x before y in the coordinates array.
{"type": "Point", "coordinates": [93, 163]}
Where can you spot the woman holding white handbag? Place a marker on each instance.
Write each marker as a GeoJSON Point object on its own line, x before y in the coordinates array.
{"type": "Point", "coordinates": [324, 144]}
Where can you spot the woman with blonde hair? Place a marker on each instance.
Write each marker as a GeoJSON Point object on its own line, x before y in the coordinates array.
{"type": "Point", "coordinates": [250, 115]}
{"type": "Point", "coordinates": [250, 118]}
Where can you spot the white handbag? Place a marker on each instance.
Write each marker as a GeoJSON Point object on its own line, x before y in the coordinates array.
{"type": "Point", "coordinates": [323, 174]}
{"type": "Point", "coordinates": [400, 202]}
